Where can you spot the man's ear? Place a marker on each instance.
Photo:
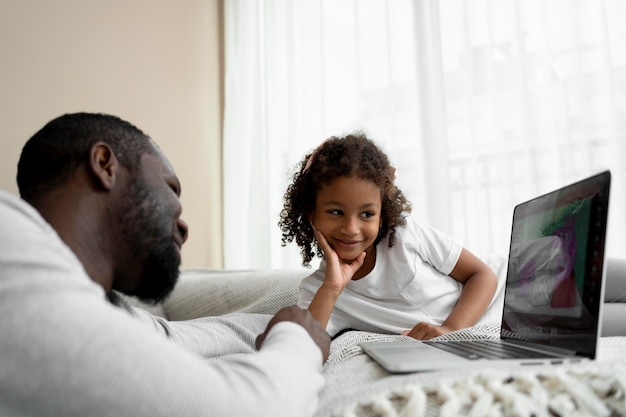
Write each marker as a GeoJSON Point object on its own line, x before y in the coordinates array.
{"type": "Point", "coordinates": [103, 165]}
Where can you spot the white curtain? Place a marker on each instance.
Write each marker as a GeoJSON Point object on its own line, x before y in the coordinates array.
{"type": "Point", "coordinates": [479, 104]}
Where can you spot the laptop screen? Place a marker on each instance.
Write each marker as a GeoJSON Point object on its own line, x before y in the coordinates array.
{"type": "Point", "coordinates": [554, 280]}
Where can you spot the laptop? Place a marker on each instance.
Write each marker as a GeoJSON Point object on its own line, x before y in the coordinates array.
{"type": "Point", "coordinates": [553, 292]}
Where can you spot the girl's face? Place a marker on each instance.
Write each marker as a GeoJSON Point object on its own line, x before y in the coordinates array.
{"type": "Point", "coordinates": [347, 212]}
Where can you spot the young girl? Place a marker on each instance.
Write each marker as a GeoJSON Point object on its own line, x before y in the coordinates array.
{"type": "Point", "coordinates": [382, 270]}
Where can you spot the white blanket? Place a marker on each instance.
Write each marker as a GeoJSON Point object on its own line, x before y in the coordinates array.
{"type": "Point", "coordinates": [357, 386]}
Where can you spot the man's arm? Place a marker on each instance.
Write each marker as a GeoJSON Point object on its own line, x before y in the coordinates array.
{"type": "Point", "coordinates": [67, 351]}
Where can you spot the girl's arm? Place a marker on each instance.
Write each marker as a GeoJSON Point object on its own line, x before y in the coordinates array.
{"type": "Point", "coordinates": [480, 284]}
{"type": "Point", "coordinates": [337, 275]}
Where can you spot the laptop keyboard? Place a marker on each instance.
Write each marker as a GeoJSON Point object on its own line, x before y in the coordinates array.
{"type": "Point", "coordinates": [489, 349]}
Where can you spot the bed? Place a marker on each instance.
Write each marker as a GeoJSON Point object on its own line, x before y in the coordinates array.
{"type": "Point", "coordinates": [357, 386]}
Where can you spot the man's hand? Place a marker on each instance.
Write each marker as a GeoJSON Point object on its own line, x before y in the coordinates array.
{"type": "Point", "coordinates": [304, 319]}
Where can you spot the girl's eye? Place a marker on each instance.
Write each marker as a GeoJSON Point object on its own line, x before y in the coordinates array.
{"type": "Point", "coordinates": [335, 212]}
{"type": "Point", "coordinates": [367, 214]}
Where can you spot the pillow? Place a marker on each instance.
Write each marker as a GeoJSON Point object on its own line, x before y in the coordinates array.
{"type": "Point", "coordinates": [213, 292]}
{"type": "Point", "coordinates": [615, 291]}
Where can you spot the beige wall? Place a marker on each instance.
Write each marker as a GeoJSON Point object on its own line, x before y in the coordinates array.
{"type": "Point", "coordinates": [155, 63]}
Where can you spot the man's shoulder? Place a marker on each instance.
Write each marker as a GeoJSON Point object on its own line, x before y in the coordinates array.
{"type": "Point", "coordinates": [12, 207]}
{"type": "Point", "coordinates": [32, 249]}
{"type": "Point", "coordinates": [11, 201]}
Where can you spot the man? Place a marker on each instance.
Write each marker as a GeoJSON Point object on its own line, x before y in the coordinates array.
{"type": "Point", "coordinates": [104, 216]}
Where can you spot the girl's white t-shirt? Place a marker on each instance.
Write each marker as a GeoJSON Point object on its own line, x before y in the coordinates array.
{"type": "Point", "coordinates": [410, 283]}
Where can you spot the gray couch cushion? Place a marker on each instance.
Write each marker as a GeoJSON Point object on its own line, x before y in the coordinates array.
{"type": "Point", "coordinates": [614, 309]}
{"type": "Point", "coordinates": [615, 291]}
{"type": "Point", "coordinates": [213, 292]}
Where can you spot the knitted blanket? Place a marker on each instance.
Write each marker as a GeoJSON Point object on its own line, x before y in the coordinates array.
{"type": "Point", "coordinates": [358, 387]}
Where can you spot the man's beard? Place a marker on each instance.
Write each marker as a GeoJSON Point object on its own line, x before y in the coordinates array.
{"type": "Point", "coordinates": [148, 231]}
{"type": "Point", "coordinates": [160, 275]}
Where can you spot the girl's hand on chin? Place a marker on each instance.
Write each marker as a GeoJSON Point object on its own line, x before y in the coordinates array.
{"type": "Point", "coordinates": [338, 271]}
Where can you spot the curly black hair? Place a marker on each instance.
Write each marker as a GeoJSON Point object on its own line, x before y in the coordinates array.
{"type": "Point", "coordinates": [354, 155]}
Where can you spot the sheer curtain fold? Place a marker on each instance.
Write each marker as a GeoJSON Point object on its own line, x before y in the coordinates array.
{"type": "Point", "coordinates": [245, 162]}
{"type": "Point", "coordinates": [480, 105]}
